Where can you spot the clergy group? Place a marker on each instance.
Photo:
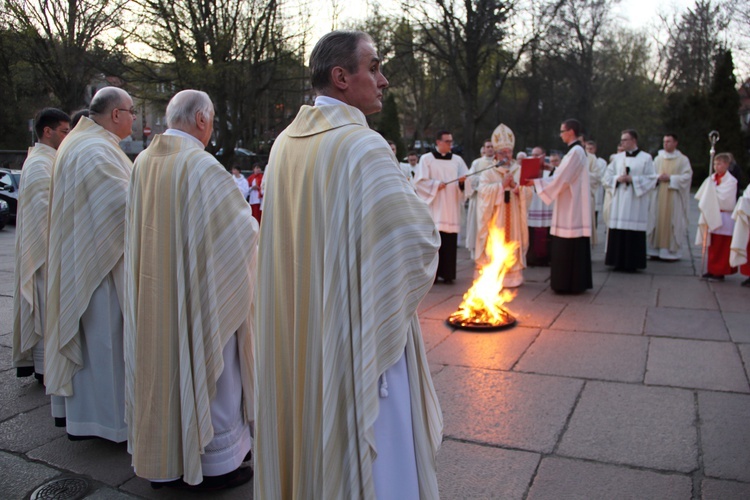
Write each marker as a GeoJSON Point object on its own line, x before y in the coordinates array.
{"type": "Point", "coordinates": [157, 311]}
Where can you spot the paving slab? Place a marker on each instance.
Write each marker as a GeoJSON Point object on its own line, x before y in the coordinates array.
{"type": "Point", "coordinates": [109, 494]}
{"type": "Point", "coordinates": [633, 281]}
{"type": "Point", "coordinates": [562, 478]}
{"type": "Point", "coordinates": [442, 310]}
{"type": "Point", "coordinates": [492, 350]}
{"type": "Point", "coordinates": [142, 489]}
{"type": "Point", "coordinates": [472, 471]}
{"type": "Point", "coordinates": [725, 435]}
{"type": "Point", "coordinates": [631, 296]}
{"type": "Point", "coordinates": [6, 358]}
{"type": "Point", "coordinates": [102, 460]}
{"type": "Point", "coordinates": [713, 489]}
{"type": "Point", "coordinates": [515, 410]}
{"type": "Point", "coordinates": [535, 313]}
{"type": "Point", "coordinates": [651, 427]}
{"type": "Point", "coordinates": [734, 299]}
{"type": "Point", "coordinates": [6, 284]}
{"type": "Point", "coordinates": [29, 430]}
{"type": "Point", "coordinates": [601, 356]}
{"type": "Point", "coordinates": [6, 340]}
{"type": "Point", "coordinates": [19, 394]}
{"type": "Point", "coordinates": [685, 293]}
{"type": "Point", "coordinates": [738, 325]}
{"type": "Point", "coordinates": [432, 299]}
{"type": "Point", "coordinates": [745, 355]}
{"type": "Point", "coordinates": [696, 364]}
{"type": "Point", "coordinates": [602, 319]}
{"type": "Point", "coordinates": [686, 323]}
{"type": "Point", "coordinates": [6, 313]}
{"type": "Point", "coordinates": [434, 332]}
{"type": "Point", "coordinates": [680, 268]}
{"type": "Point", "coordinates": [549, 297]}
{"type": "Point", "coordinates": [20, 477]}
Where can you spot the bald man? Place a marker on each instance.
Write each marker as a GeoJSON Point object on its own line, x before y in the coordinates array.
{"type": "Point", "coordinates": [83, 344]}
{"type": "Point", "coordinates": [188, 312]}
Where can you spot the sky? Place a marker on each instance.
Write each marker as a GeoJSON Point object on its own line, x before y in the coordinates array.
{"type": "Point", "coordinates": [635, 13]}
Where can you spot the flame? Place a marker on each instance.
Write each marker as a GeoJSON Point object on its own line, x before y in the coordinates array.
{"type": "Point", "coordinates": [482, 304]}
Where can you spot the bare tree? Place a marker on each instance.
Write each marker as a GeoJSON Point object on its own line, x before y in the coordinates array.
{"type": "Point", "coordinates": [694, 38]}
{"type": "Point", "coordinates": [67, 43]}
{"type": "Point", "coordinates": [228, 48]}
{"type": "Point", "coordinates": [475, 41]}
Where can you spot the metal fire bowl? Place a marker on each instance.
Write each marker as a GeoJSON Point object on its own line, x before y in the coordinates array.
{"type": "Point", "coordinates": [483, 328]}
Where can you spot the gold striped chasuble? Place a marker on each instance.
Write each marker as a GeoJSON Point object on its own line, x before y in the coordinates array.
{"type": "Point", "coordinates": [347, 251]}
{"type": "Point", "coordinates": [191, 247]}
{"type": "Point", "coordinates": [86, 237]}
{"type": "Point", "coordinates": [31, 251]}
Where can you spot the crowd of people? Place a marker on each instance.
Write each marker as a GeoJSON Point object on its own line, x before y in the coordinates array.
{"type": "Point", "coordinates": [156, 311]}
{"type": "Point", "coordinates": [643, 204]}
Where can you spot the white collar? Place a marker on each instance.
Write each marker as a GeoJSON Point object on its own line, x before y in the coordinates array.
{"type": "Point", "coordinates": [180, 133]}
{"type": "Point", "coordinates": [324, 100]}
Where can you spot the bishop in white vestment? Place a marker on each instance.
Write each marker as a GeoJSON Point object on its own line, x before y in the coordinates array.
{"type": "Point", "coordinates": [502, 202]}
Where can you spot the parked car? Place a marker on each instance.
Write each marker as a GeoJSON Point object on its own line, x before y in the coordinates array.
{"type": "Point", "coordinates": [10, 181]}
{"type": "Point", "coordinates": [4, 213]}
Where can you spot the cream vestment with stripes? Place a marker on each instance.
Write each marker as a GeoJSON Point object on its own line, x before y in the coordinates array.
{"type": "Point", "coordinates": [191, 245]}
{"type": "Point", "coordinates": [31, 254]}
{"type": "Point", "coordinates": [347, 251]}
{"type": "Point", "coordinates": [86, 239]}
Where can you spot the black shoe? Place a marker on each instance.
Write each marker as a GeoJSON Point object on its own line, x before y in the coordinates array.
{"type": "Point", "coordinates": [24, 371]}
{"type": "Point", "coordinates": [237, 477]}
{"type": "Point", "coordinates": [746, 283]}
{"type": "Point", "coordinates": [39, 377]}
{"type": "Point", "coordinates": [71, 437]}
{"type": "Point", "coordinates": [707, 276]}
{"type": "Point", "coordinates": [61, 422]}
{"type": "Point", "coordinates": [448, 282]}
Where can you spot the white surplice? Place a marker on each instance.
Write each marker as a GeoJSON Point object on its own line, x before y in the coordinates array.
{"type": "Point", "coordinates": [630, 201]}
{"type": "Point", "coordinates": [444, 204]}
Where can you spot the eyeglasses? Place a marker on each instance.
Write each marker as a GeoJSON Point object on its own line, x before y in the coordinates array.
{"type": "Point", "coordinates": [132, 111]}
{"type": "Point", "coordinates": [563, 130]}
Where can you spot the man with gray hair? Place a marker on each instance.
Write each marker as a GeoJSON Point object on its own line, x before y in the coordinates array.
{"type": "Point", "coordinates": [345, 406]}
{"type": "Point", "coordinates": [190, 251]}
{"type": "Point", "coordinates": [83, 338]}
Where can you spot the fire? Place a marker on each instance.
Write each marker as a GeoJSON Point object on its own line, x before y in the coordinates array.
{"type": "Point", "coordinates": [482, 304]}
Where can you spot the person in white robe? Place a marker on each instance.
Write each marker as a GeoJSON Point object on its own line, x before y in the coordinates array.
{"type": "Point", "coordinates": [502, 201]}
{"type": "Point", "coordinates": [439, 181]}
{"type": "Point", "coordinates": [409, 167]}
{"type": "Point", "coordinates": [601, 167]}
{"type": "Point", "coordinates": [539, 219]}
{"type": "Point", "coordinates": [595, 184]}
{"type": "Point", "coordinates": [668, 217]}
{"type": "Point", "coordinates": [631, 178]}
{"type": "Point", "coordinates": [570, 266]}
{"type": "Point", "coordinates": [470, 191]}
{"type": "Point", "coordinates": [716, 201]}
{"type": "Point", "coordinates": [345, 406]}
{"type": "Point", "coordinates": [241, 182]}
{"type": "Point", "coordinates": [255, 198]}
{"type": "Point", "coordinates": [51, 126]}
{"type": "Point", "coordinates": [83, 339]}
{"type": "Point", "coordinates": [190, 252]}
{"type": "Point", "coordinates": [740, 244]}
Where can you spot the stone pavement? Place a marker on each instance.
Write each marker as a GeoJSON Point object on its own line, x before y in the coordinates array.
{"type": "Point", "coordinates": [637, 389]}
